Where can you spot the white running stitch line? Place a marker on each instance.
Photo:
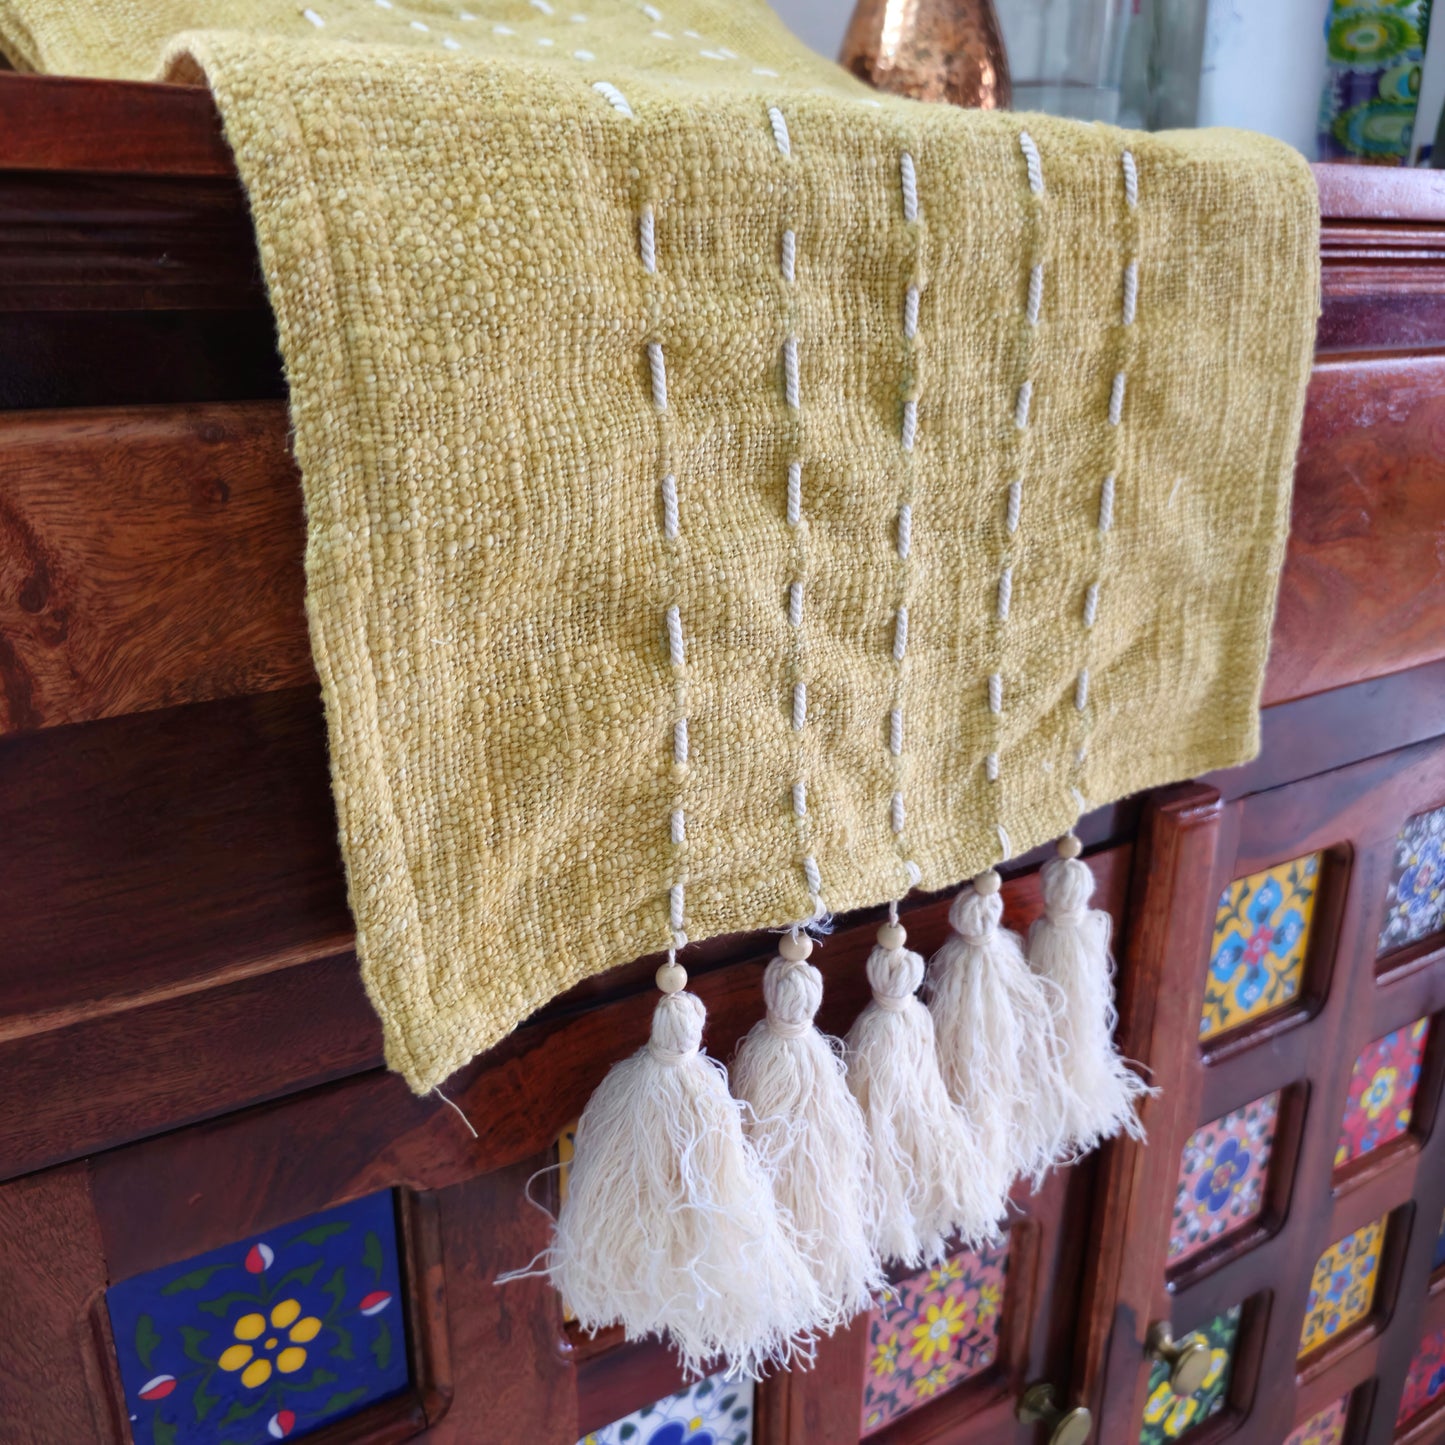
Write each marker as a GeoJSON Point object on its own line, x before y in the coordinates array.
{"type": "Point", "coordinates": [910, 424]}
{"type": "Point", "coordinates": [1081, 690]}
{"type": "Point", "coordinates": [1015, 506]}
{"type": "Point", "coordinates": [659, 375]}
{"type": "Point", "coordinates": [1021, 406]}
{"type": "Point", "coordinates": [995, 692]}
{"type": "Point", "coordinates": [1116, 399]}
{"type": "Point", "coordinates": [679, 826]}
{"type": "Point", "coordinates": [1036, 293]}
{"type": "Point", "coordinates": [909, 183]}
{"type": "Point", "coordinates": [896, 812]}
{"type": "Point", "coordinates": [1131, 180]}
{"type": "Point", "coordinates": [790, 252]}
{"type": "Point", "coordinates": [679, 741]}
{"type": "Point", "coordinates": [780, 131]}
{"type": "Point", "coordinates": [990, 767]}
{"type": "Point", "coordinates": [895, 732]}
{"type": "Point", "coordinates": [669, 507]}
{"type": "Point", "coordinates": [910, 313]}
{"type": "Point", "coordinates": [790, 371]}
{"type": "Point", "coordinates": [1131, 291]}
{"type": "Point", "coordinates": [1033, 162]}
{"type": "Point", "coordinates": [1091, 603]}
{"type": "Point", "coordinates": [800, 705]}
{"type": "Point", "coordinates": [1003, 841]}
{"type": "Point", "coordinates": [613, 96]}
{"type": "Point", "coordinates": [1106, 504]}
{"type": "Point", "coordinates": [314, 18]}
{"type": "Point", "coordinates": [800, 799]}
{"type": "Point", "coordinates": [645, 242]}
{"type": "Point", "coordinates": [900, 634]}
{"type": "Point", "coordinates": [795, 493]}
{"type": "Point", "coordinates": [814, 879]}
{"type": "Point", "coordinates": [905, 531]}
{"type": "Point", "coordinates": [676, 652]}
{"type": "Point", "coordinates": [1005, 592]}
{"type": "Point", "coordinates": [795, 604]}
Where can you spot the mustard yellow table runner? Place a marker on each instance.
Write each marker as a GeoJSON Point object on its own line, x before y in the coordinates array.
{"type": "Point", "coordinates": [731, 494]}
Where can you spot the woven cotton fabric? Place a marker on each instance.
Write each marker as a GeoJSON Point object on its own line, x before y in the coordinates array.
{"type": "Point", "coordinates": [731, 493]}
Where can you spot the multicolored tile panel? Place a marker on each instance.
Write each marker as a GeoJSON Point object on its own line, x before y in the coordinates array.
{"type": "Point", "coordinates": [1261, 933]}
{"type": "Point", "coordinates": [941, 1328]}
{"type": "Point", "coordinates": [1168, 1416]}
{"type": "Point", "coordinates": [1342, 1291]}
{"type": "Point", "coordinates": [715, 1411]}
{"type": "Point", "coordinates": [1382, 1092]}
{"type": "Point", "coordinates": [268, 1338]}
{"type": "Point", "coordinates": [1415, 901]}
{"type": "Point", "coordinates": [1222, 1175]}
{"type": "Point", "coordinates": [1325, 1428]}
{"type": "Point", "coordinates": [1425, 1382]}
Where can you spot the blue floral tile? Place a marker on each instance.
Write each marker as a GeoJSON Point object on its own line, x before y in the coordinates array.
{"type": "Point", "coordinates": [715, 1411]}
{"type": "Point", "coordinates": [1415, 900]}
{"type": "Point", "coordinates": [268, 1338]}
{"type": "Point", "coordinates": [1342, 1290]}
{"type": "Point", "coordinates": [1222, 1175]}
{"type": "Point", "coordinates": [1261, 934]}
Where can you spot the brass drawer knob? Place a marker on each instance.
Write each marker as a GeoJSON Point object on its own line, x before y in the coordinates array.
{"type": "Point", "coordinates": [1065, 1427]}
{"type": "Point", "coordinates": [1188, 1359]}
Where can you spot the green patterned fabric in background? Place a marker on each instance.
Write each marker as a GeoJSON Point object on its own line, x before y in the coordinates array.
{"type": "Point", "coordinates": [1372, 85]}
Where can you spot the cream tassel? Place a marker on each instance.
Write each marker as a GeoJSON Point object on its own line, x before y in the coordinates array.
{"type": "Point", "coordinates": [997, 1049]}
{"type": "Point", "coordinates": [933, 1180]}
{"type": "Point", "coordinates": [1069, 946]}
{"type": "Point", "coordinates": [670, 1226]}
{"type": "Point", "coordinates": [810, 1133]}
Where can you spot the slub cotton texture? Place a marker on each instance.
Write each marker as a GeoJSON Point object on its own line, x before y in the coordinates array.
{"type": "Point", "coordinates": [731, 493]}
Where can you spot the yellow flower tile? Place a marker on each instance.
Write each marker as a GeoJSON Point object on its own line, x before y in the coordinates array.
{"type": "Point", "coordinates": [1261, 934]}
{"type": "Point", "coordinates": [1342, 1291]}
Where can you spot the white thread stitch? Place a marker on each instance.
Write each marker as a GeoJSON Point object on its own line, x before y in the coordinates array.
{"type": "Point", "coordinates": [675, 906]}
{"type": "Point", "coordinates": [914, 872]}
{"type": "Point", "coordinates": [543, 6]}
{"type": "Point", "coordinates": [1106, 504]}
{"type": "Point", "coordinates": [910, 313]}
{"type": "Point", "coordinates": [386, 5]}
{"type": "Point", "coordinates": [810, 872]}
{"type": "Point", "coordinates": [895, 732]}
{"type": "Point", "coordinates": [652, 13]}
{"type": "Point", "coordinates": [795, 604]}
{"type": "Point", "coordinates": [1021, 406]}
{"type": "Point", "coordinates": [995, 692]}
{"type": "Point", "coordinates": [909, 183]}
{"type": "Point", "coordinates": [990, 767]}
{"type": "Point", "coordinates": [800, 706]}
{"type": "Point", "coordinates": [1005, 592]}
{"type": "Point", "coordinates": [1131, 291]}
{"type": "Point", "coordinates": [1036, 293]}
{"type": "Point", "coordinates": [659, 374]}
{"type": "Point", "coordinates": [910, 424]}
{"type": "Point", "coordinates": [661, 35]}
{"type": "Point", "coordinates": [1033, 161]}
{"type": "Point", "coordinates": [646, 241]}
{"type": "Point", "coordinates": [669, 507]}
{"type": "Point", "coordinates": [1015, 506]}
{"type": "Point", "coordinates": [1081, 689]}
{"type": "Point", "coordinates": [1131, 179]}
{"type": "Point", "coordinates": [611, 95]}
{"type": "Point", "coordinates": [675, 649]}
{"type": "Point", "coordinates": [1091, 603]}
{"type": "Point", "coordinates": [545, 40]}
{"type": "Point", "coordinates": [1116, 399]}
{"type": "Point", "coordinates": [905, 531]}
{"type": "Point", "coordinates": [795, 493]}
{"type": "Point", "coordinates": [314, 18]}
{"type": "Point", "coordinates": [778, 122]}
{"type": "Point", "coordinates": [758, 70]}
{"type": "Point", "coordinates": [507, 30]}
{"type": "Point", "coordinates": [1003, 842]}
{"type": "Point", "coordinates": [450, 43]}
{"type": "Point", "coordinates": [679, 826]}
{"type": "Point", "coordinates": [417, 25]}
{"type": "Point", "coordinates": [790, 254]}
{"type": "Point", "coordinates": [800, 799]}
{"type": "Point", "coordinates": [790, 371]}
{"type": "Point", "coordinates": [896, 812]}
{"type": "Point", "coordinates": [679, 740]}
{"type": "Point", "coordinates": [900, 634]}
{"type": "Point", "coordinates": [1080, 801]}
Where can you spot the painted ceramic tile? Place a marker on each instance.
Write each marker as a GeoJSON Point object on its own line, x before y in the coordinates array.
{"type": "Point", "coordinates": [1415, 902]}
{"type": "Point", "coordinates": [267, 1338]}
{"type": "Point", "coordinates": [1342, 1291]}
{"type": "Point", "coordinates": [715, 1411]}
{"type": "Point", "coordinates": [1326, 1428]}
{"type": "Point", "coordinates": [1439, 1258]}
{"type": "Point", "coordinates": [1261, 931]}
{"type": "Point", "coordinates": [1222, 1175]}
{"type": "Point", "coordinates": [1167, 1416]}
{"type": "Point", "coordinates": [1382, 1092]}
{"type": "Point", "coordinates": [941, 1329]}
{"type": "Point", "coordinates": [1426, 1380]}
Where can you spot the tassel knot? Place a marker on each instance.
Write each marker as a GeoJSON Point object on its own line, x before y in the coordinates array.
{"type": "Point", "coordinates": [792, 991]}
{"type": "Point", "coordinates": [676, 1028]}
{"type": "Point", "coordinates": [975, 916]}
{"type": "Point", "coordinates": [894, 975]}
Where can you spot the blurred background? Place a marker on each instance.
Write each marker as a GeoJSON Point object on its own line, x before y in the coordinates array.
{"type": "Point", "coordinates": [1342, 80]}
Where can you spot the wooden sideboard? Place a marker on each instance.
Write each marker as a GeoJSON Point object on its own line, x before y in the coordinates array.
{"type": "Point", "coordinates": [191, 1070]}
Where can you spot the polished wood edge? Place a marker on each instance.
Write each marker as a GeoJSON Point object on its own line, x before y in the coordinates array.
{"type": "Point", "coordinates": [50, 122]}
{"type": "Point", "coordinates": [1380, 193]}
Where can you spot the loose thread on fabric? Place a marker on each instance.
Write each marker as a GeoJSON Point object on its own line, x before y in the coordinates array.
{"type": "Point", "coordinates": [457, 1109]}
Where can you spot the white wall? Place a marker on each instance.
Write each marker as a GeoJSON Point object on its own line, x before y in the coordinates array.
{"type": "Point", "coordinates": [819, 23]}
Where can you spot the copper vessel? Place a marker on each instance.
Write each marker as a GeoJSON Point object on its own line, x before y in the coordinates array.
{"type": "Point", "coordinates": [931, 50]}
